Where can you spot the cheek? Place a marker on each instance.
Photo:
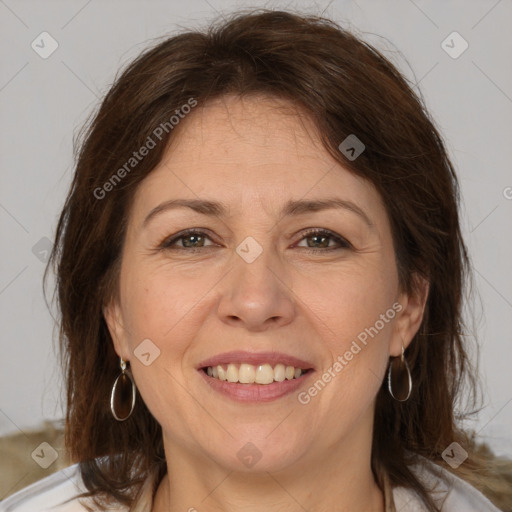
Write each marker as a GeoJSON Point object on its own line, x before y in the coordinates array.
{"type": "Point", "coordinates": [356, 326]}
{"type": "Point", "coordinates": [350, 301]}
{"type": "Point", "coordinates": [354, 316]}
{"type": "Point", "coordinates": [159, 302]}
{"type": "Point", "coordinates": [159, 306]}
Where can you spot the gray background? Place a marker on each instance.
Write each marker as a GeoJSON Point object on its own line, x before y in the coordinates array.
{"type": "Point", "coordinates": [44, 101]}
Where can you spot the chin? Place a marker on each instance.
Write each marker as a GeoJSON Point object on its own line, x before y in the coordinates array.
{"type": "Point", "coordinates": [258, 454]}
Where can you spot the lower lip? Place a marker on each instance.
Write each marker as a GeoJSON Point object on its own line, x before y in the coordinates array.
{"type": "Point", "coordinates": [255, 392]}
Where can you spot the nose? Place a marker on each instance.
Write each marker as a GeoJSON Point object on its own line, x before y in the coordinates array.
{"type": "Point", "coordinates": [258, 295]}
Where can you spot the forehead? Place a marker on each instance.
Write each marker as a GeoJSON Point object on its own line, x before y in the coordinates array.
{"type": "Point", "coordinates": [255, 151]}
{"type": "Point", "coordinates": [253, 129]}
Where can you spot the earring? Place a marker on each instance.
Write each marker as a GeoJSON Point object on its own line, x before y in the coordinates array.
{"type": "Point", "coordinates": [122, 397]}
{"type": "Point", "coordinates": [399, 378]}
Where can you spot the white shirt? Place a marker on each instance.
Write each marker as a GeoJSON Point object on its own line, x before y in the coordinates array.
{"type": "Point", "coordinates": [53, 492]}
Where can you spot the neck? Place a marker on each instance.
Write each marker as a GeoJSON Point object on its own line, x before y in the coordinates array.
{"type": "Point", "coordinates": [254, 493]}
{"type": "Point", "coordinates": [339, 479]}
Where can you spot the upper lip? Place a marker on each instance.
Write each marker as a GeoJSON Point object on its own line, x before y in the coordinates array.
{"type": "Point", "coordinates": [256, 358]}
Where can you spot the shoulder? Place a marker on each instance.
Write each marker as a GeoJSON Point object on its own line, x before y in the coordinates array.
{"type": "Point", "coordinates": [450, 493]}
{"type": "Point", "coordinates": [56, 493]}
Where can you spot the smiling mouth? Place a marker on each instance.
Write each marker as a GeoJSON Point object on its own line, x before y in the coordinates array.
{"type": "Point", "coordinates": [245, 373]}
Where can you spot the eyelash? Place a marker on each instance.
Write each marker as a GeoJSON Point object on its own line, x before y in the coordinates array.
{"type": "Point", "coordinates": [168, 243]}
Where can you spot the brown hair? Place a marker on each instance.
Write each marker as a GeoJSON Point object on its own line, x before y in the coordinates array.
{"type": "Point", "coordinates": [346, 87]}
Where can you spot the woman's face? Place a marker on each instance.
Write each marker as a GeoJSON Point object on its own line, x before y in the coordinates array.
{"type": "Point", "coordinates": [257, 282]}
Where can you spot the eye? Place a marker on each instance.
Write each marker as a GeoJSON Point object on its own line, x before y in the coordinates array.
{"type": "Point", "coordinates": [321, 239]}
{"type": "Point", "coordinates": [190, 238]}
{"type": "Point", "coordinates": [194, 239]}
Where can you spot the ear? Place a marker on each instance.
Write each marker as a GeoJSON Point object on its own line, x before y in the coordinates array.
{"type": "Point", "coordinates": [113, 318]}
{"type": "Point", "coordinates": [408, 319]}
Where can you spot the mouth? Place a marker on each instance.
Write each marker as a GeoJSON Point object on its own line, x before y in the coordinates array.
{"type": "Point", "coordinates": [246, 376]}
{"type": "Point", "coordinates": [263, 374]}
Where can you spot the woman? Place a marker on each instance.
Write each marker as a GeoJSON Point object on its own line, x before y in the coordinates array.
{"type": "Point", "coordinates": [260, 273]}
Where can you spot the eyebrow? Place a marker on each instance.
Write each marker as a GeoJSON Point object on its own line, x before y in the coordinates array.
{"type": "Point", "coordinates": [291, 208]}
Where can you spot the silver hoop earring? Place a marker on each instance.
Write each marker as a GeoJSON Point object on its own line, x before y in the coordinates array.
{"type": "Point", "coordinates": [399, 378]}
{"type": "Point", "coordinates": [122, 397]}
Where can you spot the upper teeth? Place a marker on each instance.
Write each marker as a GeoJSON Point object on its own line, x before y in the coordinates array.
{"type": "Point", "coordinates": [249, 374]}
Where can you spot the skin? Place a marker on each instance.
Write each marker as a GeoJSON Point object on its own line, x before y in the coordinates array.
{"type": "Point", "coordinates": [255, 154]}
